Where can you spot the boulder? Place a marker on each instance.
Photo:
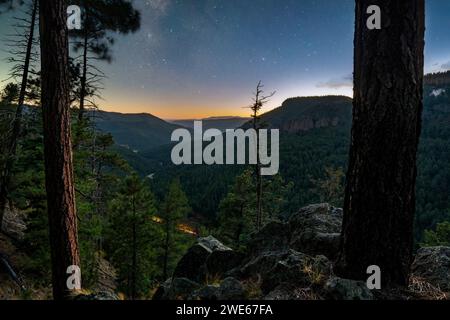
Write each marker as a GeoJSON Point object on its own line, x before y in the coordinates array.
{"type": "Point", "coordinates": [299, 269]}
{"type": "Point", "coordinates": [290, 260]}
{"type": "Point", "coordinates": [433, 265]}
{"type": "Point", "coordinates": [272, 237]}
{"type": "Point", "coordinates": [181, 289]}
{"type": "Point", "coordinates": [345, 289]}
{"type": "Point", "coordinates": [207, 293]}
{"type": "Point", "coordinates": [315, 230]}
{"type": "Point", "coordinates": [163, 290]}
{"type": "Point", "coordinates": [206, 253]}
{"type": "Point", "coordinates": [219, 262]}
{"type": "Point", "coordinates": [262, 264]}
{"type": "Point", "coordinates": [231, 289]}
{"type": "Point", "coordinates": [176, 289]}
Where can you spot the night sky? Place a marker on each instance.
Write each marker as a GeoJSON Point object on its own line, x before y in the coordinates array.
{"type": "Point", "coordinates": [197, 58]}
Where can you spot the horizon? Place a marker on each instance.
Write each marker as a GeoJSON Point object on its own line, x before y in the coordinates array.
{"type": "Point", "coordinates": [265, 110]}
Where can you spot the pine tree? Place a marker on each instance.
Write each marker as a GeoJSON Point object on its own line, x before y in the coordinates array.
{"type": "Point", "coordinates": [98, 169]}
{"type": "Point", "coordinates": [438, 237]}
{"type": "Point", "coordinates": [330, 189]}
{"type": "Point", "coordinates": [237, 212]}
{"type": "Point", "coordinates": [101, 18]}
{"type": "Point", "coordinates": [134, 237]}
{"type": "Point", "coordinates": [174, 210]}
{"type": "Point", "coordinates": [22, 57]}
{"type": "Point", "coordinates": [28, 195]}
{"type": "Point", "coordinates": [275, 196]}
{"type": "Point", "coordinates": [7, 5]}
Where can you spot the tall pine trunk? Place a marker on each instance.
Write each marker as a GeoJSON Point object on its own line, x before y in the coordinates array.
{"type": "Point", "coordinates": [17, 123]}
{"type": "Point", "coordinates": [57, 144]}
{"type": "Point", "coordinates": [380, 190]}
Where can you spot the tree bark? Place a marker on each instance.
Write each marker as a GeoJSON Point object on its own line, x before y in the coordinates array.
{"type": "Point", "coordinates": [17, 123]}
{"type": "Point", "coordinates": [380, 188]}
{"type": "Point", "coordinates": [57, 143]}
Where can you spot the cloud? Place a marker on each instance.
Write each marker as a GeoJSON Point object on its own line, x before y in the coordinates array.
{"type": "Point", "coordinates": [337, 83]}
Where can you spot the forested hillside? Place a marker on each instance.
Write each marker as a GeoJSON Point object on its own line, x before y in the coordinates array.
{"type": "Point", "coordinates": [433, 198]}
{"type": "Point", "coordinates": [315, 134]}
{"type": "Point", "coordinates": [136, 132]}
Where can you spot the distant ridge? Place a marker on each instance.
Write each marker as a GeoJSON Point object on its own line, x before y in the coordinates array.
{"type": "Point", "coordinates": [137, 132]}
{"type": "Point", "coordinates": [221, 123]}
{"type": "Point", "coordinates": [306, 113]}
{"type": "Point", "coordinates": [143, 132]}
{"type": "Point", "coordinates": [225, 118]}
{"type": "Point", "coordinates": [437, 79]}
{"type": "Point", "coordinates": [208, 118]}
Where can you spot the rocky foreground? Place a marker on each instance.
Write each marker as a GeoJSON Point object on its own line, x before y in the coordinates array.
{"type": "Point", "coordinates": [293, 261]}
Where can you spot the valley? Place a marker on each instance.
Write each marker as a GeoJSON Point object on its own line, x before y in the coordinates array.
{"type": "Point", "coordinates": [314, 136]}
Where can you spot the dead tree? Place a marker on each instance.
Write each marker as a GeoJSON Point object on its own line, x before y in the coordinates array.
{"type": "Point", "coordinates": [258, 102]}
{"type": "Point", "coordinates": [22, 56]}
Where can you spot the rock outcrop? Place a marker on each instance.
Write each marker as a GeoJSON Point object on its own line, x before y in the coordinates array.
{"type": "Point", "coordinates": [313, 230]}
{"type": "Point", "coordinates": [345, 289]}
{"type": "Point", "coordinates": [316, 230]}
{"type": "Point", "coordinates": [281, 255]}
{"type": "Point", "coordinates": [293, 260]}
{"type": "Point", "coordinates": [207, 257]}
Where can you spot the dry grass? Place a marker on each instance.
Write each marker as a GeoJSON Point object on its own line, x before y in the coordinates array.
{"type": "Point", "coordinates": [213, 279]}
{"type": "Point", "coordinates": [314, 275]}
{"type": "Point", "coordinates": [424, 290]}
{"type": "Point", "coordinates": [252, 287]}
{"type": "Point", "coordinates": [306, 294]}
